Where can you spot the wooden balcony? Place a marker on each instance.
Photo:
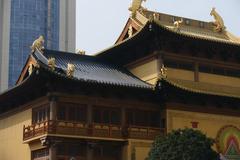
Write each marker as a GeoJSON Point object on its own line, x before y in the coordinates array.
{"type": "Point", "coordinates": [93, 130]}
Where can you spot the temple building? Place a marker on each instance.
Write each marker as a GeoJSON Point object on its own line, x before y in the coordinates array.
{"type": "Point", "coordinates": [163, 73]}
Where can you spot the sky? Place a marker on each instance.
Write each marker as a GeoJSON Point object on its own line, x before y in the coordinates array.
{"type": "Point", "coordinates": [99, 23]}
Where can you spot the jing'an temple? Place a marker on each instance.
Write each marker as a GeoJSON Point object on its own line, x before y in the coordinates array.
{"type": "Point", "coordinates": [163, 73]}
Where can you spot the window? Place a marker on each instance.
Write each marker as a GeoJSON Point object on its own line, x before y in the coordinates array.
{"type": "Point", "coordinates": [201, 24]}
{"type": "Point", "coordinates": [106, 115]}
{"type": "Point", "coordinates": [71, 150]}
{"type": "Point", "coordinates": [61, 113]}
{"type": "Point", "coordinates": [219, 70]}
{"type": "Point", "coordinates": [41, 153]}
{"type": "Point", "coordinates": [178, 64]}
{"type": "Point", "coordinates": [206, 69]}
{"type": "Point", "coordinates": [40, 114]}
{"type": "Point", "coordinates": [72, 112]}
{"type": "Point", "coordinates": [143, 118]}
{"type": "Point", "coordinates": [187, 22]}
{"type": "Point", "coordinates": [233, 72]}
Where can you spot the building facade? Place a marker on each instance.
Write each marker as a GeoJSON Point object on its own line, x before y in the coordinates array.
{"type": "Point", "coordinates": [24, 21]}
{"type": "Point", "coordinates": [165, 72]}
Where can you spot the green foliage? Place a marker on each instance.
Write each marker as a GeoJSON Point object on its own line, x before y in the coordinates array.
{"type": "Point", "coordinates": [183, 144]}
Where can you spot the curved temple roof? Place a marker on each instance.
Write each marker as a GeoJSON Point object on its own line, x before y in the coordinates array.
{"type": "Point", "coordinates": [90, 69]}
{"type": "Point", "coordinates": [188, 27]}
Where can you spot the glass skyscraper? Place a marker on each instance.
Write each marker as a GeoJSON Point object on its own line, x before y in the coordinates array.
{"type": "Point", "coordinates": [23, 21]}
{"type": "Point", "coordinates": [29, 19]}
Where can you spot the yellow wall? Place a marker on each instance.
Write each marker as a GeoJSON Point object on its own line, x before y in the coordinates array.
{"type": "Point", "coordinates": [147, 71]}
{"type": "Point", "coordinates": [11, 136]}
{"type": "Point", "coordinates": [218, 79]}
{"type": "Point", "coordinates": [136, 149]}
{"type": "Point", "coordinates": [208, 123]}
{"type": "Point", "coordinates": [180, 74]}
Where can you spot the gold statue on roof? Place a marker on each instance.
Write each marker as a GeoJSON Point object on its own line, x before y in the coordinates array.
{"type": "Point", "coordinates": [52, 63]}
{"type": "Point", "coordinates": [38, 44]}
{"type": "Point", "coordinates": [70, 70]}
{"type": "Point", "coordinates": [130, 31]}
{"type": "Point", "coordinates": [218, 23]}
{"type": "Point", "coordinates": [30, 69]}
{"type": "Point", "coordinates": [163, 72]}
{"type": "Point", "coordinates": [81, 52]}
{"type": "Point", "coordinates": [177, 23]}
{"type": "Point", "coordinates": [136, 5]}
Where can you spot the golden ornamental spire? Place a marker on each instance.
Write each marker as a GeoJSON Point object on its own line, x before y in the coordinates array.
{"type": "Point", "coordinates": [177, 23]}
{"type": "Point", "coordinates": [38, 44]}
{"type": "Point", "coordinates": [130, 31]}
{"type": "Point", "coordinates": [218, 23]}
{"type": "Point", "coordinates": [52, 63]}
{"type": "Point", "coordinates": [135, 6]}
{"type": "Point", "coordinates": [163, 72]}
{"type": "Point", "coordinates": [30, 69]}
{"type": "Point", "coordinates": [70, 70]}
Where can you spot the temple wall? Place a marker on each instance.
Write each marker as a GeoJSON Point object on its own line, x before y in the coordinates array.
{"type": "Point", "coordinates": [146, 71]}
{"type": "Point", "coordinates": [219, 79]}
{"type": "Point", "coordinates": [180, 74]}
{"type": "Point", "coordinates": [136, 149]}
{"type": "Point", "coordinates": [207, 123]}
{"type": "Point", "coordinates": [11, 136]}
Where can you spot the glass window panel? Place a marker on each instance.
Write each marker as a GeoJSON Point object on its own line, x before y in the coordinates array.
{"type": "Point", "coordinates": [71, 113]}
{"type": "Point", "coordinates": [97, 116]}
{"type": "Point", "coordinates": [62, 113]}
{"type": "Point", "coordinates": [154, 119]}
{"type": "Point", "coordinates": [115, 117]}
{"type": "Point", "coordinates": [106, 116]}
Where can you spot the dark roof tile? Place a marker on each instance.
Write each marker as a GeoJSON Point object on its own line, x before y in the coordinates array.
{"type": "Point", "coordinates": [90, 68]}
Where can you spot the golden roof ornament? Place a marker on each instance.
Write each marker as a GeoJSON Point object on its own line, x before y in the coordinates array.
{"type": "Point", "coordinates": [135, 6]}
{"type": "Point", "coordinates": [70, 70]}
{"type": "Point", "coordinates": [30, 69]}
{"type": "Point", "coordinates": [156, 16]}
{"type": "Point", "coordinates": [52, 63]}
{"type": "Point", "coordinates": [177, 24]}
{"type": "Point", "coordinates": [38, 44]}
{"type": "Point", "coordinates": [81, 52]}
{"type": "Point", "coordinates": [218, 23]}
{"type": "Point", "coordinates": [130, 31]}
{"type": "Point", "coordinates": [163, 72]}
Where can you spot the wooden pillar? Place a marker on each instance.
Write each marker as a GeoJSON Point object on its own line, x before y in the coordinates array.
{"type": "Point", "coordinates": [89, 114]}
{"type": "Point", "coordinates": [159, 63]}
{"type": "Point", "coordinates": [52, 153]}
{"type": "Point", "coordinates": [196, 72]}
{"type": "Point", "coordinates": [123, 116]}
{"type": "Point", "coordinates": [53, 108]}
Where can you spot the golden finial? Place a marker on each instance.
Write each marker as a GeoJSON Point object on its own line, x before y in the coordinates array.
{"type": "Point", "coordinates": [130, 31]}
{"type": "Point", "coordinates": [156, 16]}
{"type": "Point", "coordinates": [30, 69]}
{"type": "Point", "coordinates": [218, 23]}
{"type": "Point", "coordinates": [81, 52]}
{"type": "Point", "coordinates": [70, 70]}
{"type": "Point", "coordinates": [38, 44]}
{"type": "Point", "coordinates": [136, 5]}
{"type": "Point", "coordinates": [177, 23]}
{"type": "Point", "coordinates": [52, 63]}
{"type": "Point", "coordinates": [163, 72]}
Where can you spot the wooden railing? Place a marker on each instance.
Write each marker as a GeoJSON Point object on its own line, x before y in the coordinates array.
{"type": "Point", "coordinates": [93, 130]}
